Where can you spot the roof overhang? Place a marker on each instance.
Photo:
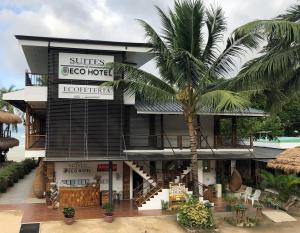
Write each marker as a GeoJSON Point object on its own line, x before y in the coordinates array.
{"type": "Point", "coordinates": [173, 108]}
{"type": "Point", "coordinates": [36, 50]}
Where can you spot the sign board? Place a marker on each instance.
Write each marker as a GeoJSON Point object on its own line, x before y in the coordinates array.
{"type": "Point", "coordinates": [77, 168]}
{"type": "Point", "coordinates": [103, 167]}
{"type": "Point", "coordinates": [70, 91]}
{"type": "Point", "coordinates": [91, 67]}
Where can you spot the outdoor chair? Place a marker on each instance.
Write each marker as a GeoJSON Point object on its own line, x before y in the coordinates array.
{"type": "Point", "coordinates": [246, 194]}
{"type": "Point", "coordinates": [255, 196]}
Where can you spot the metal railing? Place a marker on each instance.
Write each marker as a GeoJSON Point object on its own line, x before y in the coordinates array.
{"type": "Point", "coordinates": [33, 79]}
{"type": "Point", "coordinates": [171, 141]}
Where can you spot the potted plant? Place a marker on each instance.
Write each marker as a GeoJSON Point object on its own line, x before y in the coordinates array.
{"type": "Point", "coordinates": [69, 213]}
{"type": "Point", "coordinates": [259, 208]}
{"type": "Point", "coordinates": [108, 215]}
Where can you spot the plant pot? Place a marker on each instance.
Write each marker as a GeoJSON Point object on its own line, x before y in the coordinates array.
{"type": "Point", "coordinates": [69, 220]}
{"type": "Point", "coordinates": [108, 217]}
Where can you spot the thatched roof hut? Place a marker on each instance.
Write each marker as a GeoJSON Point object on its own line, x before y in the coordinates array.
{"type": "Point", "coordinates": [6, 143]}
{"type": "Point", "coordinates": [289, 161]}
{"type": "Point", "coordinates": [9, 118]}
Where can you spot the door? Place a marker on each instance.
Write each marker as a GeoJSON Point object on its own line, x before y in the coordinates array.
{"type": "Point", "coordinates": [126, 182]}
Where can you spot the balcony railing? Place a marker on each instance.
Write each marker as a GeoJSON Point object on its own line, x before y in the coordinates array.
{"type": "Point", "coordinates": [35, 142]}
{"type": "Point", "coordinates": [33, 79]}
{"type": "Point", "coordinates": [160, 142]}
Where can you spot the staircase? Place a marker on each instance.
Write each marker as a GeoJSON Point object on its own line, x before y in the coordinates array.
{"type": "Point", "coordinates": [150, 193]}
{"type": "Point", "coordinates": [139, 169]}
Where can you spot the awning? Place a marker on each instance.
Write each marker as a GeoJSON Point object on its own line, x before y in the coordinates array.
{"type": "Point", "coordinates": [173, 108]}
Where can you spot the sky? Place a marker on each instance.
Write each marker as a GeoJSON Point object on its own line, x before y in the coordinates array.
{"type": "Point", "coordinates": [100, 20]}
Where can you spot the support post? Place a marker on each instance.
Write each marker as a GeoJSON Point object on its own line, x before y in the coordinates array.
{"type": "Point", "coordinates": [27, 127]}
{"type": "Point", "coordinates": [234, 131]}
{"type": "Point", "coordinates": [162, 131]}
{"type": "Point", "coordinates": [110, 182]}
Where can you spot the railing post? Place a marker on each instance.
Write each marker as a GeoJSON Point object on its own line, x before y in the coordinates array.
{"type": "Point", "coordinates": [251, 141]}
{"type": "Point", "coordinates": [179, 142]}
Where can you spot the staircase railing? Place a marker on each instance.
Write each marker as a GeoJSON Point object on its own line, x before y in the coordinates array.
{"type": "Point", "coordinates": [145, 191]}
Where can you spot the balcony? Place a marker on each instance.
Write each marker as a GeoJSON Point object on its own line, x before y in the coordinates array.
{"type": "Point", "coordinates": [35, 142]}
{"type": "Point", "coordinates": [38, 80]}
{"type": "Point", "coordinates": [181, 142]}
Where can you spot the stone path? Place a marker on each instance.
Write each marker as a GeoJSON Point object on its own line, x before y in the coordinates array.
{"type": "Point", "coordinates": [21, 192]}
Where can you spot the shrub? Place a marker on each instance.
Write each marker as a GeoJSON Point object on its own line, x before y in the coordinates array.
{"type": "Point", "coordinates": [3, 184]}
{"type": "Point", "coordinates": [11, 172]}
{"type": "Point", "coordinates": [197, 215]}
{"type": "Point", "coordinates": [69, 212]}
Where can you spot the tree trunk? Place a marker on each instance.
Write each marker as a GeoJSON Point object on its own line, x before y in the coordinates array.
{"type": "Point", "coordinates": [194, 161]}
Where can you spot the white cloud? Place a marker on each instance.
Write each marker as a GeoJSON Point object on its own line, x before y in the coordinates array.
{"type": "Point", "coordinates": [99, 19]}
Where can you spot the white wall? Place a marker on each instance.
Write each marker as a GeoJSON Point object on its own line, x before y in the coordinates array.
{"type": "Point", "coordinates": [117, 176]}
{"type": "Point", "coordinates": [155, 202]}
{"type": "Point", "coordinates": [210, 177]}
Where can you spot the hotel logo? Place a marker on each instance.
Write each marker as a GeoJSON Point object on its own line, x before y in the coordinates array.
{"type": "Point", "coordinates": [85, 67]}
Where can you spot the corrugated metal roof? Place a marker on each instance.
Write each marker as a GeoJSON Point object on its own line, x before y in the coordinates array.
{"type": "Point", "coordinates": [175, 108]}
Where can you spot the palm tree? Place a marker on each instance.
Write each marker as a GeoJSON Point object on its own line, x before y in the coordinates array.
{"type": "Point", "coordinates": [276, 71]}
{"type": "Point", "coordinates": [192, 67]}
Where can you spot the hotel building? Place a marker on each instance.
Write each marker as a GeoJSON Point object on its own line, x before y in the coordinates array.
{"type": "Point", "coordinates": [87, 133]}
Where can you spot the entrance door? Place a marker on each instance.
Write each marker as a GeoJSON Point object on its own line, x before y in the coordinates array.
{"type": "Point", "coordinates": [126, 182]}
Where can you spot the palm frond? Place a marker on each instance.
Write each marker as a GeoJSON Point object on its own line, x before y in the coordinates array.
{"type": "Point", "coordinates": [137, 75]}
{"type": "Point", "coordinates": [188, 18]}
{"type": "Point", "coordinates": [164, 60]}
{"type": "Point", "coordinates": [268, 68]}
{"type": "Point", "coordinates": [216, 25]}
{"type": "Point", "coordinates": [292, 14]}
{"type": "Point", "coordinates": [224, 100]}
{"type": "Point", "coordinates": [141, 90]}
{"type": "Point", "coordinates": [237, 45]}
{"type": "Point", "coordinates": [290, 31]}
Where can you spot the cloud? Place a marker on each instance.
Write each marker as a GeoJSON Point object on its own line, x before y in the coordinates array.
{"type": "Point", "coordinates": [98, 19]}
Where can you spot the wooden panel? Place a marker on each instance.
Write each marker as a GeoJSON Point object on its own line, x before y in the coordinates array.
{"type": "Point", "coordinates": [126, 182]}
{"type": "Point", "coordinates": [79, 196]}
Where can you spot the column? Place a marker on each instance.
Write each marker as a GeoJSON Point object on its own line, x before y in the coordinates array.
{"type": "Point", "coordinates": [234, 131]}
{"type": "Point", "coordinates": [110, 182]}
{"type": "Point", "coordinates": [200, 176]}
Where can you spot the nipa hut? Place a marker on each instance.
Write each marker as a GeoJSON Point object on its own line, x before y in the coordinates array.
{"type": "Point", "coordinates": [6, 141]}
{"type": "Point", "coordinates": [288, 161]}
{"type": "Point", "coordinates": [9, 118]}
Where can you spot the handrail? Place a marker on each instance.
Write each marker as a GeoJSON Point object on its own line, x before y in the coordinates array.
{"type": "Point", "coordinates": [35, 79]}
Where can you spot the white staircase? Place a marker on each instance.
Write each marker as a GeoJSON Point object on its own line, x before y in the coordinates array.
{"type": "Point", "coordinates": [140, 171]}
{"type": "Point", "coordinates": [182, 175]}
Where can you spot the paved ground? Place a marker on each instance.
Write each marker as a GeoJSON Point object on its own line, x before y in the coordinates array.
{"type": "Point", "coordinates": [10, 221]}
{"type": "Point", "coordinates": [21, 192]}
{"type": "Point", "coordinates": [164, 224]}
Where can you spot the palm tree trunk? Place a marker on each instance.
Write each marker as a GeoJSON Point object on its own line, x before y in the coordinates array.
{"type": "Point", "coordinates": [194, 161]}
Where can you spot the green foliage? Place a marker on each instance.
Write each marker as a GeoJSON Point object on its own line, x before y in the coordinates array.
{"type": "Point", "coordinates": [69, 212]}
{"type": "Point", "coordinates": [276, 71]}
{"type": "Point", "coordinates": [286, 185]}
{"type": "Point", "coordinates": [108, 208]}
{"type": "Point", "coordinates": [164, 205]}
{"type": "Point", "coordinates": [194, 214]}
{"type": "Point", "coordinates": [14, 171]}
